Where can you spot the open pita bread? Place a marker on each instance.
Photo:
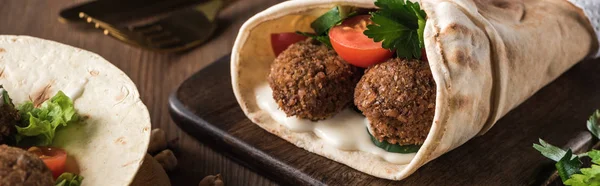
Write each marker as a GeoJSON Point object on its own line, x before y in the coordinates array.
{"type": "Point", "coordinates": [486, 56]}
{"type": "Point", "coordinates": [110, 143]}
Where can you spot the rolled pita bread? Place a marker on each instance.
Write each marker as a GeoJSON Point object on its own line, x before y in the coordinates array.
{"type": "Point", "coordinates": [109, 145]}
{"type": "Point", "coordinates": [486, 57]}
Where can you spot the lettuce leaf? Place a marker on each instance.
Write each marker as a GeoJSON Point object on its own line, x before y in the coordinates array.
{"type": "Point", "coordinates": [38, 125]}
{"type": "Point", "coordinates": [68, 179]}
{"type": "Point", "coordinates": [5, 97]}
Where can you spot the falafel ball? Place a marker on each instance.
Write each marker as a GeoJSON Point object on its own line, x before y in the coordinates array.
{"type": "Point", "coordinates": [19, 167]}
{"type": "Point", "coordinates": [398, 98]}
{"type": "Point", "coordinates": [311, 81]}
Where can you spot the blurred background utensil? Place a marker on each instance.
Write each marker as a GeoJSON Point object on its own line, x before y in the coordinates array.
{"type": "Point", "coordinates": [122, 10]}
{"type": "Point", "coordinates": [178, 31]}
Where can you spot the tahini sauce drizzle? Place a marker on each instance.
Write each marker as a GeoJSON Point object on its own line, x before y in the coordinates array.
{"type": "Point", "coordinates": [346, 130]}
{"type": "Point", "coordinates": [75, 89]}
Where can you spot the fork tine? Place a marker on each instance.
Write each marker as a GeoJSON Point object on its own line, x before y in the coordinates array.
{"type": "Point", "coordinates": [180, 31]}
{"type": "Point", "coordinates": [108, 29]}
{"type": "Point", "coordinates": [115, 33]}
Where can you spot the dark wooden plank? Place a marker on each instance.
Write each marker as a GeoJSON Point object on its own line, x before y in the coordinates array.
{"type": "Point", "coordinates": [205, 107]}
{"type": "Point", "coordinates": [156, 75]}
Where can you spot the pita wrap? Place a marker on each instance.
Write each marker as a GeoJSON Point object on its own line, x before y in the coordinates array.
{"type": "Point", "coordinates": [110, 142]}
{"type": "Point", "coordinates": [486, 57]}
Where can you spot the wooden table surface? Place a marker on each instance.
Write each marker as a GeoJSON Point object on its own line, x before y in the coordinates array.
{"type": "Point", "coordinates": [156, 75]}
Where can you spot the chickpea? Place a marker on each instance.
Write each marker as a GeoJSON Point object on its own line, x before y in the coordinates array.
{"type": "Point", "coordinates": [167, 159]}
{"type": "Point", "coordinates": [158, 141]}
{"type": "Point", "coordinates": [212, 181]}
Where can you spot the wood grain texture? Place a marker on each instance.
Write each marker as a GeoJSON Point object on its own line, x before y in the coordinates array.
{"type": "Point", "coordinates": [503, 156]}
{"type": "Point", "coordinates": [156, 75]}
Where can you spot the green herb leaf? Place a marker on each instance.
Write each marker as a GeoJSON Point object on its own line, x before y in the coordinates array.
{"type": "Point", "coordinates": [321, 38]}
{"type": "Point", "coordinates": [400, 25]}
{"type": "Point", "coordinates": [550, 151]}
{"type": "Point", "coordinates": [568, 165]}
{"type": "Point", "coordinates": [594, 155]}
{"type": "Point", "coordinates": [68, 179]}
{"type": "Point", "coordinates": [592, 124]}
{"type": "Point", "coordinates": [588, 176]}
{"type": "Point", "coordinates": [5, 97]}
{"type": "Point", "coordinates": [577, 180]}
{"type": "Point", "coordinates": [41, 123]}
{"type": "Point", "coordinates": [10, 118]}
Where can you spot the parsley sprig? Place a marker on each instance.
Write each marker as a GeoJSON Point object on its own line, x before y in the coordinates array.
{"type": "Point", "coordinates": [568, 165]}
{"type": "Point", "coordinates": [400, 25]}
{"type": "Point", "coordinates": [592, 124]}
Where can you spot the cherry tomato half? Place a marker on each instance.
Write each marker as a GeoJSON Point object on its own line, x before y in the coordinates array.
{"type": "Point", "coordinates": [54, 158]}
{"type": "Point", "coordinates": [355, 47]}
{"type": "Point", "coordinates": [281, 41]}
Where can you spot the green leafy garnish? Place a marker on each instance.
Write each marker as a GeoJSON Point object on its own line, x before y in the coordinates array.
{"type": "Point", "coordinates": [595, 155]}
{"type": "Point", "coordinates": [400, 25]}
{"type": "Point", "coordinates": [323, 24]}
{"type": "Point", "coordinates": [588, 176]}
{"type": "Point", "coordinates": [5, 97]}
{"type": "Point", "coordinates": [404, 149]}
{"type": "Point", "coordinates": [568, 165]}
{"type": "Point", "coordinates": [592, 123]}
{"type": "Point", "coordinates": [68, 179]}
{"type": "Point", "coordinates": [321, 38]}
{"type": "Point", "coordinates": [550, 151]}
{"type": "Point", "coordinates": [40, 124]}
{"type": "Point", "coordinates": [10, 118]}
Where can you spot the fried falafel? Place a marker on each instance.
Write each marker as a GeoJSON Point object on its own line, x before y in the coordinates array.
{"type": "Point", "coordinates": [311, 81]}
{"type": "Point", "coordinates": [19, 167]}
{"type": "Point", "coordinates": [398, 98]}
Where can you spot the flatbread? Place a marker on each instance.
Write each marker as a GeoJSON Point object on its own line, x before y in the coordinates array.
{"type": "Point", "coordinates": [110, 144]}
{"type": "Point", "coordinates": [486, 56]}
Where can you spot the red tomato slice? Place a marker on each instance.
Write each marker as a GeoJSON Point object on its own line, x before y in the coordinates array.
{"type": "Point", "coordinates": [355, 47]}
{"type": "Point", "coordinates": [424, 55]}
{"type": "Point", "coordinates": [54, 158]}
{"type": "Point", "coordinates": [281, 41]}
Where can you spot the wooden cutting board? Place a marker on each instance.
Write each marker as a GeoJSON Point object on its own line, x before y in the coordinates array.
{"type": "Point", "coordinates": [205, 107]}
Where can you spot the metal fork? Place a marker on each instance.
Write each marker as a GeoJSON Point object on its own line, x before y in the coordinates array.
{"type": "Point", "coordinates": [180, 31]}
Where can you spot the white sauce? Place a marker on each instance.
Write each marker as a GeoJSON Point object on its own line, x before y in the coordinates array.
{"type": "Point", "coordinates": [346, 130]}
{"type": "Point", "coordinates": [75, 90]}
